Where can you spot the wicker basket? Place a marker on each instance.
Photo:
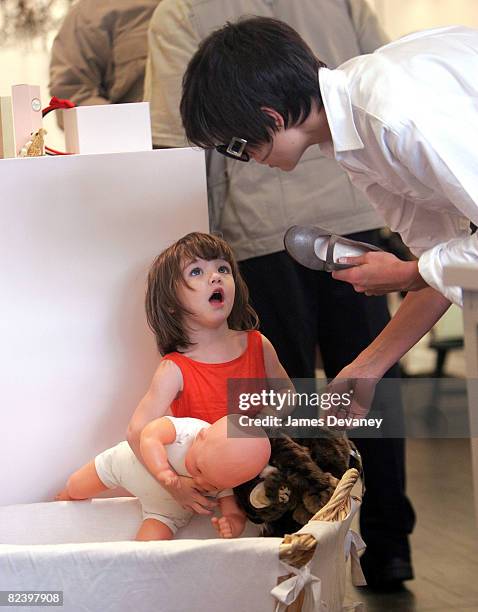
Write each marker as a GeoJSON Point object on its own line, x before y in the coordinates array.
{"type": "Point", "coordinates": [298, 549]}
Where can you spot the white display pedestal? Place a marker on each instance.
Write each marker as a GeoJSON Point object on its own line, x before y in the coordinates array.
{"type": "Point", "coordinates": [78, 234]}
{"type": "Point", "coordinates": [466, 276]}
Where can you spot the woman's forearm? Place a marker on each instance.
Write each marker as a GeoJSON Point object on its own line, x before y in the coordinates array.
{"type": "Point", "coordinates": [416, 315]}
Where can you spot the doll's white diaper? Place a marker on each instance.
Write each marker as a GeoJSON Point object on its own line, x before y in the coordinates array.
{"type": "Point", "coordinates": [118, 466]}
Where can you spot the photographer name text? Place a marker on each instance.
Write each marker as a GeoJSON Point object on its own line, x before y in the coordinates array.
{"type": "Point", "coordinates": [329, 420]}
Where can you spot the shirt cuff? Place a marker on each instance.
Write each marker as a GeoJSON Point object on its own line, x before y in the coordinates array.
{"type": "Point", "coordinates": [430, 266]}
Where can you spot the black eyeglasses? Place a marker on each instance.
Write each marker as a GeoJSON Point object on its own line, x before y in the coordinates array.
{"type": "Point", "coordinates": [235, 149]}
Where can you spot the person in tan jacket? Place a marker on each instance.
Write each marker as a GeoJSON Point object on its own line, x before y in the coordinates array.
{"type": "Point", "coordinates": [99, 53]}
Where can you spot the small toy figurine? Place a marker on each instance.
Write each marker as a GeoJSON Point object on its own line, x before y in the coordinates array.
{"type": "Point", "coordinates": [35, 147]}
{"type": "Point", "coordinates": [299, 480]}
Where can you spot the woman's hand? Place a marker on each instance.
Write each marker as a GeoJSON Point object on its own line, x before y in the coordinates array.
{"type": "Point", "coordinates": [378, 273]}
{"type": "Point", "coordinates": [356, 386]}
{"type": "Point", "coordinates": [190, 497]}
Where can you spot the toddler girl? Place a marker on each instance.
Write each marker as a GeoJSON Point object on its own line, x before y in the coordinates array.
{"type": "Point", "coordinates": [197, 306]}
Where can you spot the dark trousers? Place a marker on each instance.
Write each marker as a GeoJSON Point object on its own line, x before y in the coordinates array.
{"type": "Point", "coordinates": [300, 309]}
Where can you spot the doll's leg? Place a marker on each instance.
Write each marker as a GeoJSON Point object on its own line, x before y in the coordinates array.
{"type": "Point", "coordinates": [82, 484]}
{"type": "Point", "coordinates": [152, 529]}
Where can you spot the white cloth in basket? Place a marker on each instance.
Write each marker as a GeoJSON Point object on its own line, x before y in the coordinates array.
{"type": "Point", "coordinates": [211, 574]}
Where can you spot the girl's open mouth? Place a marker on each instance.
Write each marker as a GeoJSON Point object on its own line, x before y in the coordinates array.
{"type": "Point", "coordinates": [217, 297]}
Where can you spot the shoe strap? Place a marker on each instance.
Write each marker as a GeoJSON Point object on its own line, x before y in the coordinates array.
{"type": "Point", "coordinates": [329, 258]}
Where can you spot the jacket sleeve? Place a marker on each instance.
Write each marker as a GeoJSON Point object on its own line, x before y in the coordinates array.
{"type": "Point", "coordinates": [370, 34]}
{"type": "Point", "coordinates": [172, 42]}
{"type": "Point", "coordinates": [79, 60]}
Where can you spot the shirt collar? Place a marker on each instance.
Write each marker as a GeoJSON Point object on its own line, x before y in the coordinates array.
{"type": "Point", "coordinates": [338, 108]}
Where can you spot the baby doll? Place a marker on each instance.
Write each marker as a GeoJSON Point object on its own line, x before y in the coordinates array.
{"type": "Point", "coordinates": [216, 457]}
{"type": "Point", "coordinates": [197, 306]}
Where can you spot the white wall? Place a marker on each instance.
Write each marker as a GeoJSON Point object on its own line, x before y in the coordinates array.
{"type": "Point", "coordinates": [77, 236]}
{"type": "Point", "coordinates": [400, 17]}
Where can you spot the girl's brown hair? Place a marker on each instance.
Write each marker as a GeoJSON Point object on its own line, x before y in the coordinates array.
{"type": "Point", "coordinates": [164, 312]}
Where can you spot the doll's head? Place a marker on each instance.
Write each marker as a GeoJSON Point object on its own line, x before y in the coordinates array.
{"type": "Point", "coordinates": [174, 285]}
{"type": "Point", "coordinates": [224, 456]}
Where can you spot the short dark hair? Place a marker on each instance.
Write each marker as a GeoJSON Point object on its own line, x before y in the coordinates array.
{"type": "Point", "coordinates": [240, 68]}
{"type": "Point", "coordinates": [164, 312]}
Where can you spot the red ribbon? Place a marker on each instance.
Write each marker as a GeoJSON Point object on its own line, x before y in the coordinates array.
{"type": "Point", "coordinates": [56, 103]}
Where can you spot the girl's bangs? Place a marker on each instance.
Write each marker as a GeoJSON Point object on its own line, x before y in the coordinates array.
{"type": "Point", "coordinates": [203, 249]}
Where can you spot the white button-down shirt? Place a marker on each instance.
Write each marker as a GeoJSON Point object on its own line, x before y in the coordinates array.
{"type": "Point", "coordinates": [404, 125]}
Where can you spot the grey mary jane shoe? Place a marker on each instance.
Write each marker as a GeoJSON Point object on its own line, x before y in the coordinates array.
{"type": "Point", "coordinates": [318, 249]}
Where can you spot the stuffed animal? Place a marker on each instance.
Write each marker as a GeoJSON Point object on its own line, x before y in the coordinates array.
{"type": "Point", "coordinates": [35, 147]}
{"type": "Point", "coordinates": [299, 479]}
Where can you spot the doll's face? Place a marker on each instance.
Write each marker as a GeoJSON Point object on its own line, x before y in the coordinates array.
{"type": "Point", "coordinates": [218, 461]}
{"type": "Point", "coordinates": [207, 292]}
{"type": "Point", "coordinates": [198, 465]}
{"type": "Point", "coordinates": [205, 462]}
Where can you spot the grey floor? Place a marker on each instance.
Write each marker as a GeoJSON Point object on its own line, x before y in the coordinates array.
{"type": "Point", "coordinates": [445, 540]}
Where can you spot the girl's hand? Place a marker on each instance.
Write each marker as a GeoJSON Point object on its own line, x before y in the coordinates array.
{"type": "Point", "coordinates": [223, 526]}
{"type": "Point", "coordinates": [188, 496]}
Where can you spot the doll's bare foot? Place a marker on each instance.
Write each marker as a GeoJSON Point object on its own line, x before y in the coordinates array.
{"type": "Point", "coordinates": [63, 496]}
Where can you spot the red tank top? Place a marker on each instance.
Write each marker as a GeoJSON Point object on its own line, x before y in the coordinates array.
{"type": "Point", "coordinates": [205, 385]}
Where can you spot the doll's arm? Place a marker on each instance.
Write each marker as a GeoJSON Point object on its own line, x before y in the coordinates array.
{"type": "Point", "coordinates": [277, 378]}
{"type": "Point", "coordinates": [154, 437]}
{"type": "Point", "coordinates": [233, 520]}
{"type": "Point", "coordinates": [166, 384]}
